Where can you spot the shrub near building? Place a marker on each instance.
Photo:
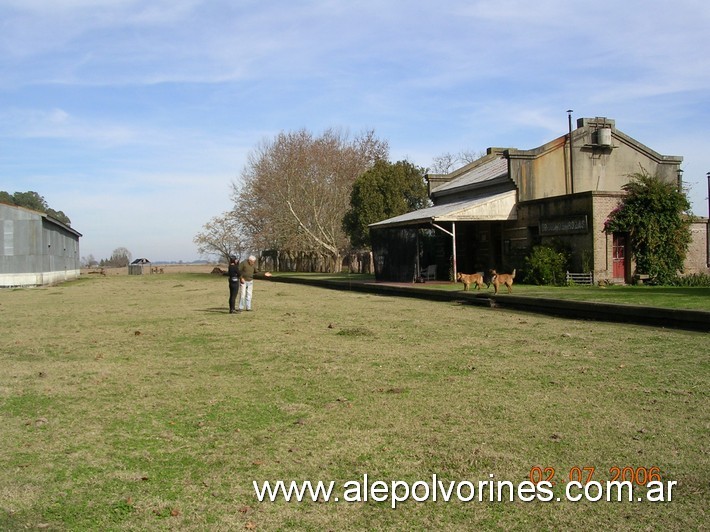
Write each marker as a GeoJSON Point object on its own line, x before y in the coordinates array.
{"type": "Point", "coordinates": [546, 265]}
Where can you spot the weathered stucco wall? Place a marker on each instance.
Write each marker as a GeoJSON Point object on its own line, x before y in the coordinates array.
{"type": "Point", "coordinates": [540, 173]}
{"type": "Point", "coordinates": [601, 168]}
{"type": "Point", "coordinates": [544, 172]}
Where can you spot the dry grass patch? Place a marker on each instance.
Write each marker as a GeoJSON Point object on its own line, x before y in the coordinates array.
{"type": "Point", "coordinates": [140, 403]}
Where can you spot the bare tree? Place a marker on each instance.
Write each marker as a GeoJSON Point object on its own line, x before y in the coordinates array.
{"type": "Point", "coordinates": [295, 190]}
{"type": "Point", "coordinates": [222, 236]}
{"type": "Point", "coordinates": [89, 261]}
{"type": "Point", "coordinates": [443, 164]}
{"type": "Point", "coordinates": [120, 258]}
{"type": "Point", "coordinates": [448, 162]}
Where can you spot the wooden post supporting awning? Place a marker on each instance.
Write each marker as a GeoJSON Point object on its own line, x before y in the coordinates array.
{"type": "Point", "coordinates": [452, 234]}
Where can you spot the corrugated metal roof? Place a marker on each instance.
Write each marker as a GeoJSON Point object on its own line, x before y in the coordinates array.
{"type": "Point", "coordinates": [499, 206]}
{"type": "Point", "coordinates": [6, 209]}
{"type": "Point", "coordinates": [489, 171]}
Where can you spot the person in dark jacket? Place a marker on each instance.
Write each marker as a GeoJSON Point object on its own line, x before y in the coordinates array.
{"type": "Point", "coordinates": [233, 277]}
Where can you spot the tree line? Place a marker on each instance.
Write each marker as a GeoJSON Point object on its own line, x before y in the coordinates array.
{"type": "Point", "coordinates": [32, 200]}
{"type": "Point", "coordinates": [120, 258]}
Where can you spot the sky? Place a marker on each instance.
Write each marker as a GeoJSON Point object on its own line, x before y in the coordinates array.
{"type": "Point", "coordinates": [135, 117]}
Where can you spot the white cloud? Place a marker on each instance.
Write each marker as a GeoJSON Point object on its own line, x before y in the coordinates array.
{"type": "Point", "coordinates": [59, 124]}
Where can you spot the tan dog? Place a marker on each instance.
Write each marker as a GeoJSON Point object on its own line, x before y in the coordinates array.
{"type": "Point", "coordinates": [502, 278]}
{"type": "Point", "coordinates": [470, 278]}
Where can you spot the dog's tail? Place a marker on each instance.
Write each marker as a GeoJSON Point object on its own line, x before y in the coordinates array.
{"type": "Point", "coordinates": [512, 275]}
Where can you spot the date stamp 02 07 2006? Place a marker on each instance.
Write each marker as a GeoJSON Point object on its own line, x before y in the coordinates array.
{"type": "Point", "coordinates": [622, 481]}
{"type": "Point", "coordinates": [584, 475]}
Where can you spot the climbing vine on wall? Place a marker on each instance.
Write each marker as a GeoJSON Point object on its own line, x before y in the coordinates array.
{"type": "Point", "coordinates": [656, 216]}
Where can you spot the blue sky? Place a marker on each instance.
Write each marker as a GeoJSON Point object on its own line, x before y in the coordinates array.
{"type": "Point", "coordinates": [135, 116]}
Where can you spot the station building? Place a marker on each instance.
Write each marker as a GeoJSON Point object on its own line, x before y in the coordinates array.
{"type": "Point", "coordinates": [491, 212]}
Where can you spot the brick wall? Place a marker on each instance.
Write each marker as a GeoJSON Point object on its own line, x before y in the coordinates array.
{"type": "Point", "coordinates": [603, 204]}
{"type": "Point", "coordinates": [697, 259]}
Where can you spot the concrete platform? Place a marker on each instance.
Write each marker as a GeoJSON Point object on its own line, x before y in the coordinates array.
{"type": "Point", "coordinates": [695, 320]}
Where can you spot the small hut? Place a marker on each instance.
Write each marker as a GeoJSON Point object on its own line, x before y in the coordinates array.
{"type": "Point", "coordinates": [139, 267]}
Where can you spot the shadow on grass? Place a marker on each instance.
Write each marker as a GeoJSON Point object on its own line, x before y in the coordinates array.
{"type": "Point", "coordinates": [214, 310]}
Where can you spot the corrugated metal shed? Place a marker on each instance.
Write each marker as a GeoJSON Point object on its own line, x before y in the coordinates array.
{"type": "Point", "coordinates": [36, 249]}
{"type": "Point", "coordinates": [139, 267]}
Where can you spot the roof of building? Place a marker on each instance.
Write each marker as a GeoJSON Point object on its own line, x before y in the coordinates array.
{"type": "Point", "coordinates": [475, 174]}
{"type": "Point", "coordinates": [45, 216]}
{"type": "Point", "coordinates": [500, 206]}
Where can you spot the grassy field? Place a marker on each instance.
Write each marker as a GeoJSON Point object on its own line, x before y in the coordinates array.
{"type": "Point", "coordinates": [139, 403]}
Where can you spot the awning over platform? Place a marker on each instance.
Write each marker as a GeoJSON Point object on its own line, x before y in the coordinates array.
{"type": "Point", "coordinates": [494, 207]}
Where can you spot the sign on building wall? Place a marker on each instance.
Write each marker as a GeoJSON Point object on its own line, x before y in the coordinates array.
{"type": "Point", "coordinates": [568, 225]}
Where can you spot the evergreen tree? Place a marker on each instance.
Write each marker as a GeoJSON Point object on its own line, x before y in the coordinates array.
{"type": "Point", "coordinates": [386, 190]}
{"type": "Point", "coordinates": [32, 200]}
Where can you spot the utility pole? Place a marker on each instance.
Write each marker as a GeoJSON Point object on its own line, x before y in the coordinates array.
{"type": "Point", "coordinates": [571, 159]}
{"type": "Point", "coordinates": [707, 226]}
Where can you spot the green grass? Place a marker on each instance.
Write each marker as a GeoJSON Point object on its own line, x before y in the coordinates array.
{"type": "Point", "coordinates": [139, 403]}
{"type": "Point", "coordinates": [648, 296]}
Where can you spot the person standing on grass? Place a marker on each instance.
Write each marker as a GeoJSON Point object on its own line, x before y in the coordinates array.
{"type": "Point", "coordinates": [233, 277]}
{"type": "Point", "coordinates": [247, 270]}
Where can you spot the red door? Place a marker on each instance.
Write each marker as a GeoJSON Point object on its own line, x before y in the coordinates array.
{"type": "Point", "coordinates": [619, 253]}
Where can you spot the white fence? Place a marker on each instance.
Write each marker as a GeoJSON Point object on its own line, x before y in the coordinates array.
{"type": "Point", "coordinates": [580, 278]}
